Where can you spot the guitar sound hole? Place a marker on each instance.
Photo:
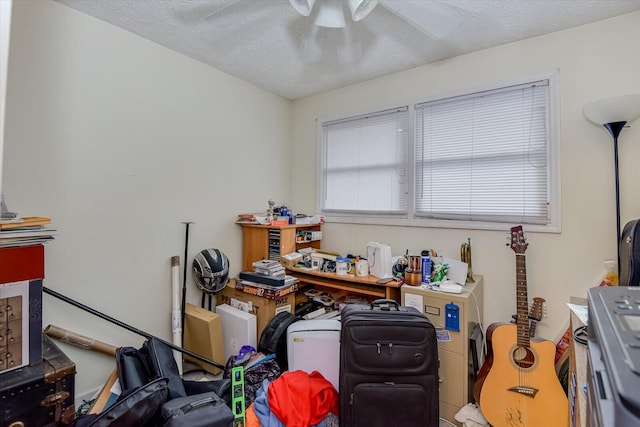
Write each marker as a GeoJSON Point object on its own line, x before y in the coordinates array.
{"type": "Point", "coordinates": [523, 357]}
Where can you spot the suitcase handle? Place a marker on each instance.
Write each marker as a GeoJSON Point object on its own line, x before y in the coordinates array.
{"type": "Point", "coordinates": [198, 403]}
{"type": "Point", "coordinates": [387, 302]}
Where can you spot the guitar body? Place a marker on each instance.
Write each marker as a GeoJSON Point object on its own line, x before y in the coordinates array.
{"type": "Point", "coordinates": [521, 388]}
{"type": "Point", "coordinates": [517, 385]}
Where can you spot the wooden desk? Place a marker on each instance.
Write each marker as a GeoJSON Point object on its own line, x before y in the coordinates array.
{"type": "Point", "coordinates": [364, 285]}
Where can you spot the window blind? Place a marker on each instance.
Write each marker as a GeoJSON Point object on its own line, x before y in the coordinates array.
{"type": "Point", "coordinates": [484, 156]}
{"type": "Point", "coordinates": [365, 163]}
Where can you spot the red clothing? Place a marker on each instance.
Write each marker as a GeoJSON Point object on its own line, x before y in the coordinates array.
{"type": "Point", "coordinates": [299, 399]}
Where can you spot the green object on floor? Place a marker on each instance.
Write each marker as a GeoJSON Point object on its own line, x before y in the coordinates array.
{"type": "Point", "coordinates": [237, 396]}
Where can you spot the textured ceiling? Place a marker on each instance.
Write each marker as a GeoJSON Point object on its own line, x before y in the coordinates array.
{"type": "Point", "coordinates": [267, 43]}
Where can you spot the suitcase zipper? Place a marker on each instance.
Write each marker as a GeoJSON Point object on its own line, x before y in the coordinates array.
{"type": "Point", "coordinates": [379, 347]}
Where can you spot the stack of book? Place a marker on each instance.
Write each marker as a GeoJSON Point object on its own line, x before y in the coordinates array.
{"type": "Point", "coordinates": [269, 267]}
{"type": "Point", "coordinates": [268, 280]}
{"type": "Point", "coordinates": [250, 218]}
{"type": "Point", "coordinates": [25, 231]}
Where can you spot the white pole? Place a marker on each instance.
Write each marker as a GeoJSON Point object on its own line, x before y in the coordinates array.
{"type": "Point", "coordinates": [176, 317]}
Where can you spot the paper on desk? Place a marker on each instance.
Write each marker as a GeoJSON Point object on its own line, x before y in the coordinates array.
{"type": "Point", "coordinates": [581, 311]}
{"type": "Point", "coordinates": [457, 270]}
{"type": "Point", "coordinates": [413, 300]}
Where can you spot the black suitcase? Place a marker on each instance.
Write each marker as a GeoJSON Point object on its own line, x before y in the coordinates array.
{"type": "Point", "coordinates": [388, 367]}
{"type": "Point", "coordinates": [42, 394]}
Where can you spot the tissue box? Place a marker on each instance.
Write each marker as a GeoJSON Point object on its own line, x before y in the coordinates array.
{"type": "Point", "coordinates": [290, 260]}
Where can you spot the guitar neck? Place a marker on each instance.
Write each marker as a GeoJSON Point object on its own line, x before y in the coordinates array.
{"type": "Point", "coordinates": [522, 301]}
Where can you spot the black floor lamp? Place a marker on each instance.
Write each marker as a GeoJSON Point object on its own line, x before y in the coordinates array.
{"type": "Point", "coordinates": [614, 114]}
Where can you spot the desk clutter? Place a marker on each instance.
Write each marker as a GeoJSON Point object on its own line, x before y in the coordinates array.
{"type": "Point", "coordinates": [319, 304]}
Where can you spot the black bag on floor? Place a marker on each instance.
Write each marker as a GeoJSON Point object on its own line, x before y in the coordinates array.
{"type": "Point", "coordinates": [221, 387]}
{"type": "Point", "coordinates": [132, 409]}
{"type": "Point", "coordinates": [200, 410]}
{"type": "Point", "coordinates": [388, 367]}
{"type": "Point", "coordinates": [273, 339]}
{"type": "Point", "coordinates": [153, 361]}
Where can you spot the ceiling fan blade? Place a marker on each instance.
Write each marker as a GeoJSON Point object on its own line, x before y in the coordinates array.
{"type": "Point", "coordinates": [311, 49]}
{"type": "Point", "coordinates": [429, 17]}
{"type": "Point", "coordinates": [197, 12]}
{"type": "Point", "coordinates": [217, 6]}
{"type": "Point", "coordinates": [473, 6]}
{"type": "Point", "coordinates": [350, 48]}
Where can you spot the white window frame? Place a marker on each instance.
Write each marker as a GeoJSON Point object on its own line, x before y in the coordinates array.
{"type": "Point", "coordinates": [410, 219]}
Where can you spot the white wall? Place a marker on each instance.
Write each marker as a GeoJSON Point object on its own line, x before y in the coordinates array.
{"type": "Point", "coordinates": [595, 61]}
{"type": "Point", "coordinates": [119, 140]}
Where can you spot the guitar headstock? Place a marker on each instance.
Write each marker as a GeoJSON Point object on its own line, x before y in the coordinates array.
{"type": "Point", "coordinates": [517, 241]}
{"type": "Point", "coordinates": [536, 312]}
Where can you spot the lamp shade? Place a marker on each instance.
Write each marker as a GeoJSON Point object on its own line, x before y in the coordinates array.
{"type": "Point", "coordinates": [361, 8]}
{"type": "Point", "coordinates": [303, 7]}
{"type": "Point", "coordinates": [625, 108]}
{"type": "Point", "coordinates": [330, 14]}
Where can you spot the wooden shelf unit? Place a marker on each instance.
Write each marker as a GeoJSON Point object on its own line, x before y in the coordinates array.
{"type": "Point", "coordinates": [270, 242]}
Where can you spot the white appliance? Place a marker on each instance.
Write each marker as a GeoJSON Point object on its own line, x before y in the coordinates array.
{"type": "Point", "coordinates": [379, 257]}
{"type": "Point", "coordinates": [238, 329]}
{"type": "Point", "coordinates": [314, 345]}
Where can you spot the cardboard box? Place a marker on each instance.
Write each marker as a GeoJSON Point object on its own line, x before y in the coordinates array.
{"type": "Point", "coordinates": [263, 308]}
{"type": "Point", "coordinates": [21, 263]}
{"type": "Point", "coordinates": [290, 260]}
{"type": "Point", "coordinates": [203, 336]}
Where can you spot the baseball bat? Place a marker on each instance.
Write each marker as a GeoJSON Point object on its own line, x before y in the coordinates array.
{"type": "Point", "coordinates": [78, 340]}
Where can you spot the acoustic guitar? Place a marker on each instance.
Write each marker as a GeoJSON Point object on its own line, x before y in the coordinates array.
{"type": "Point", "coordinates": [517, 385]}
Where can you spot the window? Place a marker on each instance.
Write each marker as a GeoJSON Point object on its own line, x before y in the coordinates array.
{"type": "Point", "coordinates": [481, 159]}
{"type": "Point", "coordinates": [484, 157]}
{"type": "Point", "coordinates": [365, 163]}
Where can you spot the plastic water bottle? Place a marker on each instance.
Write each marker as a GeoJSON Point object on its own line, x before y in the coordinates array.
{"type": "Point", "coordinates": [426, 267]}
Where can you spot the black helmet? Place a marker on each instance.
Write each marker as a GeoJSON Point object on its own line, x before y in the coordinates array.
{"type": "Point", "coordinates": [211, 270]}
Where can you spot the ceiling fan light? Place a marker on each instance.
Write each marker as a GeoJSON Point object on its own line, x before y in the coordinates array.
{"type": "Point", "coordinates": [303, 7]}
{"type": "Point", "coordinates": [361, 8]}
{"type": "Point", "coordinates": [330, 14]}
